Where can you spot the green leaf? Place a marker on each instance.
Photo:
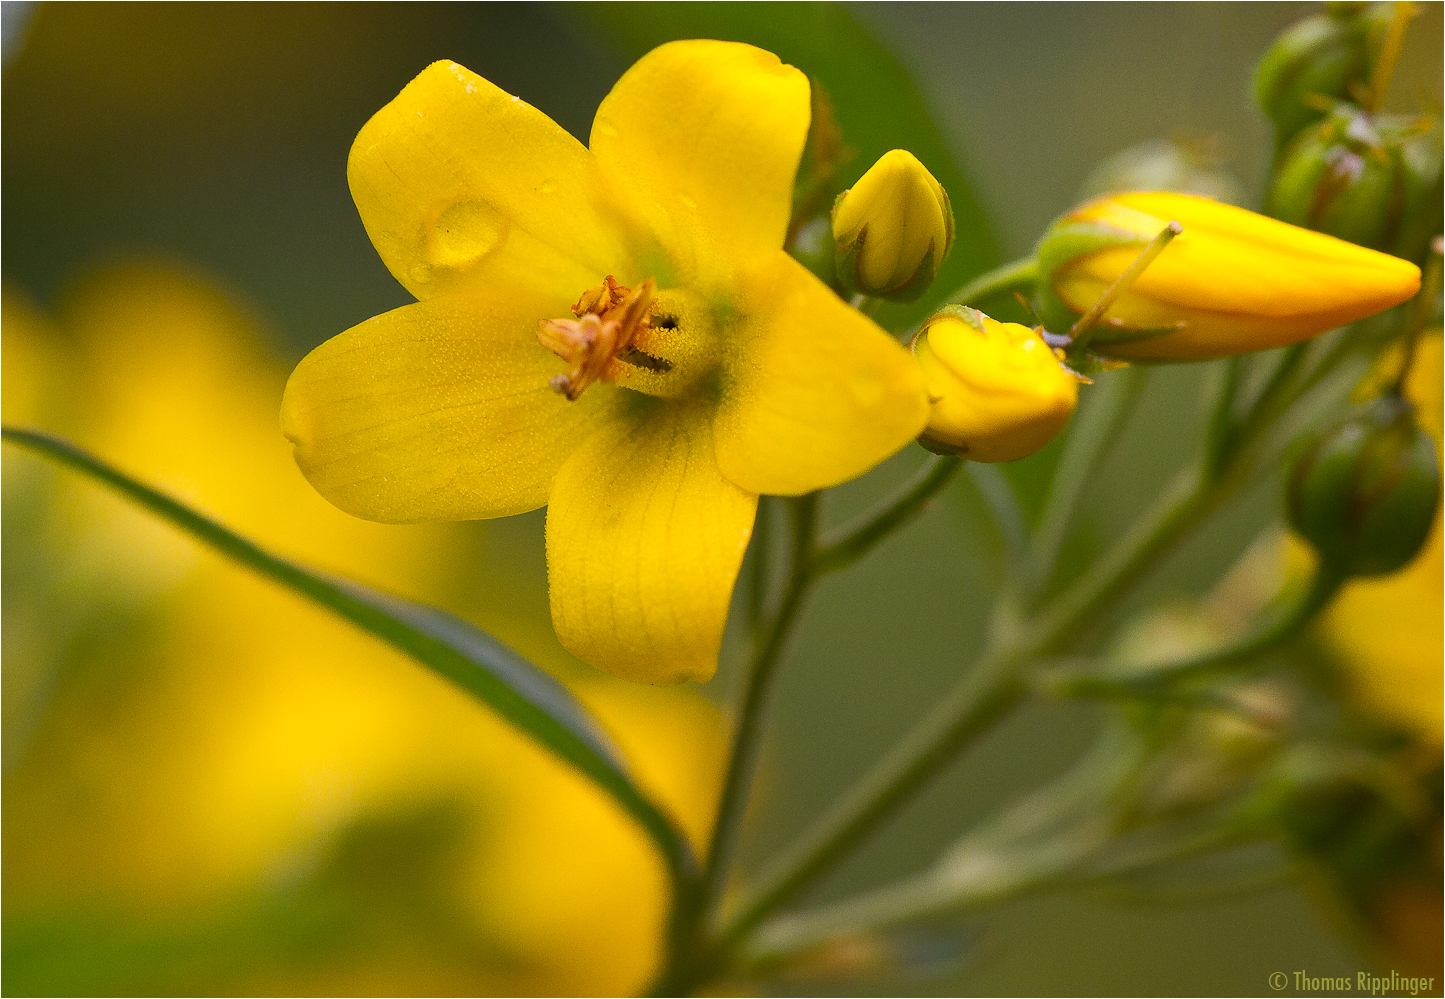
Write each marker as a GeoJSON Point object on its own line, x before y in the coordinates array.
{"type": "Point", "coordinates": [520, 692]}
{"type": "Point", "coordinates": [874, 99]}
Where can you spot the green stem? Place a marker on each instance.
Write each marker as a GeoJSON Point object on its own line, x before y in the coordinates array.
{"type": "Point", "coordinates": [1047, 833]}
{"type": "Point", "coordinates": [983, 697]}
{"type": "Point", "coordinates": [1093, 433]}
{"type": "Point", "coordinates": [1180, 506]}
{"type": "Point", "coordinates": [758, 571]}
{"type": "Point", "coordinates": [1022, 273]}
{"type": "Point", "coordinates": [858, 539]}
{"type": "Point", "coordinates": [988, 693]}
{"type": "Point", "coordinates": [1003, 505]}
{"type": "Point", "coordinates": [1188, 498]}
{"type": "Point", "coordinates": [747, 742]}
{"type": "Point", "coordinates": [1282, 626]}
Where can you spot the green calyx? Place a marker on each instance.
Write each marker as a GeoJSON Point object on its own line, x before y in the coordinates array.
{"type": "Point", "coordinates": [1064, 242]}
{"type": "Point", "coordinates": [1364, 492]}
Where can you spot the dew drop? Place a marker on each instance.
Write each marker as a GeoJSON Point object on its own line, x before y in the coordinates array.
{"type": "Point", "coordinates": [464, 233]}
{"type": "Point", "coordinates": [549, 187]}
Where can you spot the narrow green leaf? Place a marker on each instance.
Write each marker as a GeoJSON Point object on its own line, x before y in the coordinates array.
{"type": "Point", "coordinates": [875, 101]}
{"type": "Point", "coordinates": [507, 683]}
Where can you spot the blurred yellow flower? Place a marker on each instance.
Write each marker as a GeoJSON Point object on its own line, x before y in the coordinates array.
{"type": "Point", "coordinates": [996, 390]}
{"type": "Point", "coordinates": [1389, 630]}
{"type": "Point", "coordinates": [1233, 282]}
{"type": "Point", "coordinates": [211, 748]}
{"type": "Point", "coordinates": [700, 364]}
{"type": "Point", "coordinates": [893, 229]}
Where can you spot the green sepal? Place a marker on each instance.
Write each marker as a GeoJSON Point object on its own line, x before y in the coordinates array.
{"type": "Point", "coordinates": [845, 258]}
{"type": "Point", "coordinates": [846, 269]}
{"type": "Point", "coordinates": [1065, 241]}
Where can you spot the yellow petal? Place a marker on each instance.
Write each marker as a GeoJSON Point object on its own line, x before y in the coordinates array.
{"type": "Point", "coordinates": [814, 393]}
{"type": "Point", "coordinates": [436, 411]}
{"type": "Point", "coordinates": [460, 185]}
{"type": "Point", "coordinates": [644, 541]}
{"type": "Point", "coordinates": [706, 136]}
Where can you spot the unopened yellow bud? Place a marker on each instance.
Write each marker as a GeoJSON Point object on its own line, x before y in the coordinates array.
{"type": "Point", "coordinates": [892, 229]}
{"type": "Point", "coordinates": [997, 390]}
{"type": "Point", "coordinates": [1234, 282]}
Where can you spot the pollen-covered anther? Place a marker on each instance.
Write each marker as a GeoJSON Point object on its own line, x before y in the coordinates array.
{"type": "Point", "coordinates": [609, 318]}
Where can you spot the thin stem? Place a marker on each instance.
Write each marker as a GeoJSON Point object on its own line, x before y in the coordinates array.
{"type": "Point", "coordinates": [1283, 626]}
{"type": "Point", "coordinates": [747, 742]}
{"type": "Point", "coordinates": [1003, 504]}
{"type": "Point", "coordinates": [1191, 494]}
{"type": "Point", "coordinates": [1180, 506]}
{"type": "Point", "coordinates": [1083, 330]}
{"type": "Point", "coordinates": [1022, 273]}
{"type": "Point", "coordinates": [1093, 433]}
{"type": "Point", "coordinates": [1045, 834]}
{"type": "Point", "coordinates": [988, 693]}
{"type": "Point", "coordinates": [858, 539]}
{"type": "Point", "coordinates": [758, 572]}
{"type": "Point", "coordinates": [1389, 55]}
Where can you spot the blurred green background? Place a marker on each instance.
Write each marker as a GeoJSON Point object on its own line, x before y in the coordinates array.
{"type": "Point", "coordinates": [213, 139]}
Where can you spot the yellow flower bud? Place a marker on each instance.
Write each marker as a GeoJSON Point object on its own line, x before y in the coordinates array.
{"type": "Point", "coordinates": [892, 229]}
{"type": "Point", "coordinates": [1233, 282]}
{"type": "Point", "coordinates": [997, 391]}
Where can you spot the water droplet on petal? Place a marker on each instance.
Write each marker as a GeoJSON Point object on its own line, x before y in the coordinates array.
{"type": "Point", "coordinates": [549, 187]}
{"type": "Point", "coordinates": [464, 233]}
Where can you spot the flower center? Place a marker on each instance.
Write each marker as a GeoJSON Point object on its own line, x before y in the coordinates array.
{"type": "Point", "coordinates": [652, 342]}
{"type": "Point", "coordinates": [609, 317]}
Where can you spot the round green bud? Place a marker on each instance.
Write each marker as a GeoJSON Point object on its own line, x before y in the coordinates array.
{"type": "Point", "coordinates": [1364, 492]}
{"type": "Point", "coordinates": [1371, 180]}
{"type": "Point", "coordinates": [1167, 165]}
{"type": "Point", "coordinates": [1320, 59]}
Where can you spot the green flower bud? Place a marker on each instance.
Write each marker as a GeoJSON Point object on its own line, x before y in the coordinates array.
{"type": "Point", "coordinates": [1364, 492]}
{"type": "Point", "coordinates": [892, 229]}
{"type": "Point", "coordinates": [1321, 59]}
{"type": "Point", "coordinates": [1168, 165]}
{"type": "Point", "coordinates": [1361, 178]}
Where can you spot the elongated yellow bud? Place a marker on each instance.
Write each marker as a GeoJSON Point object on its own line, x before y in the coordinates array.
{"type": "Point", "coordinates": [892, 229]}
{"type": "Point", "coordinates": [1234, 282]}
{"type": "Point", "coordinates": [997, 390]}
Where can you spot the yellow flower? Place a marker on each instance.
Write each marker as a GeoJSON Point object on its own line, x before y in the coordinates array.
{"type": "Point", "coordinates": [893, 229]}
{"type": "Point", "coordinates": [1233, 282]}
{"type": "Point", "coordinates": [700, 365]}
{"type": "Point", "coordinates": [996, 390]}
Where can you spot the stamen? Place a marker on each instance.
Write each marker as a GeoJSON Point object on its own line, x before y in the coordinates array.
{"type": "Point", "coordinates": [609, 319]}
